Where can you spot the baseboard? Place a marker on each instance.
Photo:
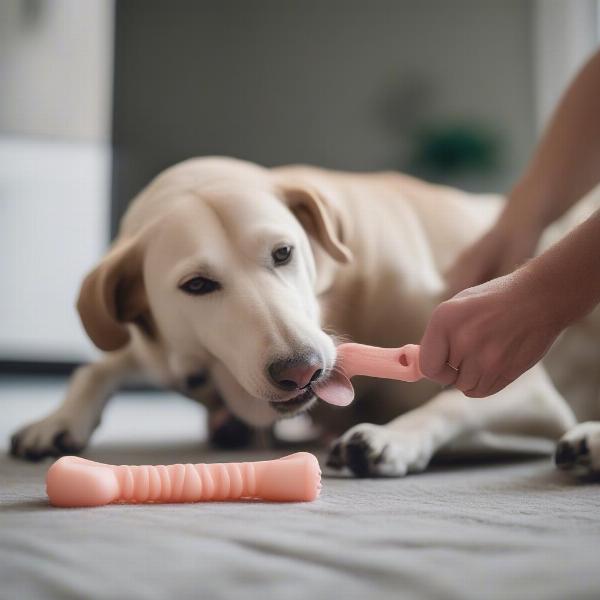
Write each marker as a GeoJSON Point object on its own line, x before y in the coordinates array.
{"type": "Point", "coordinates": [37, 367]}
{"type": "Point", "coordinates": [59, 369]}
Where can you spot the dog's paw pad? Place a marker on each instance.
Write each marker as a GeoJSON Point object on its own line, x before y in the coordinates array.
{"type": "Point", "coordinates": [35, 455]}
{"type": "Point", "coordinates": [360, 456]}
{"type": "Point", "coordinates": [357, 452]}
{"type": "Point", "coordinates": [375, 451]}
{"type": "Point", "coordinates": [65, 444]}
{"type": "Point", "coordinates": [15, 442]}
{"type": "Point", "coordinates": [335, 459]}
{"type": "Point", "coordinates": [230, 433]}
{"type": "Point", "coordinates": [579, 449]}
{"type": "Point", "coordinates": [568, 454]}
{"type": "Point", "coordinates": [48, 437]}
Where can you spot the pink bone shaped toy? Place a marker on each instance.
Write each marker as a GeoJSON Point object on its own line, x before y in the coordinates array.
{"type": "Point", "coordinates": [359, 359]}
{"type": "Point", "coordinates": [72, 481]}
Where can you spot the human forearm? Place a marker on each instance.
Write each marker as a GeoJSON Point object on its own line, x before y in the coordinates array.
{"type": "Point", "coordinates": [567, 275]}
{"type": "Point", "coordinates": [566, 164]}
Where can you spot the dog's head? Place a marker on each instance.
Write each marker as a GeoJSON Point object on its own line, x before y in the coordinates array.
{"type": "Point", "coordinates": [226, 279]}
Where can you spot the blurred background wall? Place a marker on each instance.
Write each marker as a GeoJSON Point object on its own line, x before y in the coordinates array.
{"type": "Point", "coordinates": [55, 157]}
{"type": "Point", "coordinates": [99, 96]}
{"type": "Point", "coordinates": [56, 68]}
{"type": "Point", "coordinates": [345, 84]}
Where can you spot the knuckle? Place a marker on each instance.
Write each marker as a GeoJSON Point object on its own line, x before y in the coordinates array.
{"type": "Point", "coordinates": [464, 386]}
{"type": "Point", "coordinates": [444, 312]}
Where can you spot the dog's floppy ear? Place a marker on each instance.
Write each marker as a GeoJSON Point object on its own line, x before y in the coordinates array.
{"type": "Point", "coordinates": [320, 219]}
{"type": "Point", "coordinates": [112, 295]}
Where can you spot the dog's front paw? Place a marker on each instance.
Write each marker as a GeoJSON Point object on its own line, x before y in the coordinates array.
{"type": "Point", "coordinates": [227, 432]}
{"type": "Point", "coordinates": [369, 450]}
{"type": "Point", "coordinates": [579, 449]}
{"type": "Point", "coordinates": [56, 435]}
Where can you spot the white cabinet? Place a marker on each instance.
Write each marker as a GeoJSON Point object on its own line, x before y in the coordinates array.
{"type": "Point", "coordinates": [55, 114]}
{"type": "Point", "coordinates": [54, 215]}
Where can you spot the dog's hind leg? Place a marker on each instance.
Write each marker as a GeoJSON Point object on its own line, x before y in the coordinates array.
{"type": "Point", "coordinates": [68, 429]}
{"type": "Point", "coordinates": [529, 413]}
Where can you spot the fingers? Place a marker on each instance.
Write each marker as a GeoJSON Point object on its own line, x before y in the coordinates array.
{"type": "Point", "coordinates": [497, 386]}
{"type": "Point", "coordinates": [434, 356]}
{"type": "Point", "coordinates": [468, 377]}
{"type": "Point", "coordinates": [446, 375]}
{"type": "Point", "coordinates": [495, 371]}
{"type": "Point", "coordinates": [486, 382]}
{"type": "Point", "coordinates": [456, 349]}
{"type": "Point", "coordinates": [476, 381]}
{"type": "Point", "coordinates": [450, 367]}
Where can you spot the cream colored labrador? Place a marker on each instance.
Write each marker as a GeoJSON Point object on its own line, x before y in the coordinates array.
{"type": "Point", "coordinates": [228, 280]}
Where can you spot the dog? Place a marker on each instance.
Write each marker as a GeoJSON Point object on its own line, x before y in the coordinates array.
{"type": "Point", "coordinates": [232, 283]}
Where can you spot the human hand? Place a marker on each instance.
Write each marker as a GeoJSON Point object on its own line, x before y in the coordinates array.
{"type": "Point", "coordinates": [485, 337]}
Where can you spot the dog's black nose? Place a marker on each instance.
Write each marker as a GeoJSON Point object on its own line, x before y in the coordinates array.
{"type": "Point", "coordinates": [295, 373]}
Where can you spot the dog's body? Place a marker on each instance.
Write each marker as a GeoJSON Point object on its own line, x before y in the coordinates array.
{"type": "Point", "coordinates": [369, 251]}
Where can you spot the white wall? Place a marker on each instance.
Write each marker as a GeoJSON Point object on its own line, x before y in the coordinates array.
{"type": "Point", "coordinates": [53, 227]}
{"type": "Point", "coordinates": [56, 68]}
{"type": "Point", "coordinates": [56, 82]}
{"type": "Point", "coordinates": [339, 83]}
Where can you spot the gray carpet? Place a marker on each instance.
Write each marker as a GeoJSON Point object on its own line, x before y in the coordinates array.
{"type": "Point", "coordinates": [503, 530]}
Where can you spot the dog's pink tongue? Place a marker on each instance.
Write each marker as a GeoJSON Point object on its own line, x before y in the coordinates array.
{"type": "Point", "coordinates": [337, 389]}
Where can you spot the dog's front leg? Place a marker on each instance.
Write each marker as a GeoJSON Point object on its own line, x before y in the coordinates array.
{"type": "Point", "coordinates": [226, 431]}
{"type": "Point", "coordinates": [528, 410]}
{"type": "Point", "coordinates": [68, 429]}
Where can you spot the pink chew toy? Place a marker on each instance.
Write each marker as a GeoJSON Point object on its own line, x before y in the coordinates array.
{"type": "Point", "coordinates": [72, 481]}
{"type": "Point", "coordinates": [358, 359]}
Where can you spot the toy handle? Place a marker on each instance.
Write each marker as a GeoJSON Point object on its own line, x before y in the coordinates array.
{"type": "Point", "coordinates": [386, 363]}
{"type": "Point", "coordinates": [74, 481]}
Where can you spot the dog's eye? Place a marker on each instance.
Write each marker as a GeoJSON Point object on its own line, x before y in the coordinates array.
{"type": "Point", "coordinates": [199, 286]}
{"type": "Point", "coordinates": [282, 255]}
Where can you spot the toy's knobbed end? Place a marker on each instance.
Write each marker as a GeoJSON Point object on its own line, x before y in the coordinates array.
{"type": "Point", "coordinates": [72, 481]}
{"type": "Point", "coordinates": [293, 478]}
{"type": "Point", "coordinates": [313, 474]}
{"type": "Point", "coordinates": [410, 358]}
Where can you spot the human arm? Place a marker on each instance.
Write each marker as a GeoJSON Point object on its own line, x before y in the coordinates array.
{"type": "Point", "coordinates": [494, 332]}
{"type": "Point", "coordinates": [564, 167]}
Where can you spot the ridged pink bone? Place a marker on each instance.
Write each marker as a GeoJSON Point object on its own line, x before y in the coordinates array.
{"type": "Point", "coordinates": [73, 481]}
